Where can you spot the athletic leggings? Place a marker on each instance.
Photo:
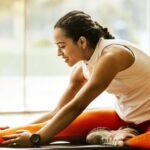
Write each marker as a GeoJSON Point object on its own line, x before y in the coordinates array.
{"type": "Point", "coordinates": [94, 118]}
{"type": "Point", "coordinates": [82, 125]}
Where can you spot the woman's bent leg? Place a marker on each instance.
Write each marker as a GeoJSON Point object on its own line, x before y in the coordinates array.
{"type": "Point", "coordinates": [89, 120]}
{"type": "Point", "coordinates": [80, 127]}
{"type": "Point", "coordinates": [142, 140]}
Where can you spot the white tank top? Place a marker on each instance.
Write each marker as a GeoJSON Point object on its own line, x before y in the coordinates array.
{"type": "Point", "coordinates": [131, 86]}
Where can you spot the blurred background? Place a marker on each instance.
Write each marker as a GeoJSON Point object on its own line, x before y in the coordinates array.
{"type": "Point", "coordinates": [32, 77]}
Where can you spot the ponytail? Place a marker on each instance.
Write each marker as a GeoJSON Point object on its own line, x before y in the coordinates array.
{"type": "Point", "coordinates": [104, 31]}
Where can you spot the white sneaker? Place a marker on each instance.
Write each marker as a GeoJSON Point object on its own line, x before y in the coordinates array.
{"type": "Point", "coordinates": [123, 134]}
{"type": "Point", "coordinates": [106, 136]}
{"type": "Point", "coordinates": [100, 135]}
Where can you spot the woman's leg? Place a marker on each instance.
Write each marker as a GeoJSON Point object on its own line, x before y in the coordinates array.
{"type": "Point", "coordinates": [142, 140]}
{"type": "Point", "coordinates": [144, 127]}
{"type": "Point", "coordinates": [89, 120]}
{"type": "Point", "coordinates": [80, 127]}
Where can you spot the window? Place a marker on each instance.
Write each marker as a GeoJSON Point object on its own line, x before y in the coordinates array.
{"type": "Point", "coordinates": [11, 55]}
{"type": "Point", "coordinates": [32, 77]}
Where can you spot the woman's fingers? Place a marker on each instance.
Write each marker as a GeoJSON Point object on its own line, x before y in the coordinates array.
{"type": "Point", "coordinates": [12, 136]}
{"type": "Point", "coordinates": [21, 131]}
{"type": "Point", "coordinates": [3, 128]}
{"type": "Point", "coordinates": [11, 141]}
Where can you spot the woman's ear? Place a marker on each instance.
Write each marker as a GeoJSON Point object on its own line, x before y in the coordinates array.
{"type": "Point", "coordinates": [82, 42]}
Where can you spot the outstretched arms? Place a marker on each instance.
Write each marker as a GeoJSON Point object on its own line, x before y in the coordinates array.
{"type": "Point", "coordinates": [80, 93]}
{"type": "Point", "coordinates": [76, 82]}
{"type": "Point", "coordinates": [101, 77]}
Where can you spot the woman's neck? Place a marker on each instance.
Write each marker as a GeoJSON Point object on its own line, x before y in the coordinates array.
{"type": "Point", "coordinates": [88, 54]}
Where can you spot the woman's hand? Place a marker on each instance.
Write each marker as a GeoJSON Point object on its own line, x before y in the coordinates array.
{"type": "Point", "coordinates": [3, 128]}
{"type": "Point", "coordinates": [20, 139]}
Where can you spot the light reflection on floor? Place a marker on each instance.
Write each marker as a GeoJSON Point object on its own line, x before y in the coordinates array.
{"type": "Point", "coordinates": [13, 120]}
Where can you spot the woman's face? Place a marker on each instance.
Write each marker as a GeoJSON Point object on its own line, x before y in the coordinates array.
{"type": "Point", "coordinates": [70, 51]}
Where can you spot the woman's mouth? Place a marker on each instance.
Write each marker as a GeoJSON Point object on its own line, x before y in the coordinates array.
{"type": "Point", "coordinates": [66, 59]}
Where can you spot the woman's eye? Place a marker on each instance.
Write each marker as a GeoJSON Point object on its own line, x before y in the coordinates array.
{"type": "Point", "coordinates": [61, 47]}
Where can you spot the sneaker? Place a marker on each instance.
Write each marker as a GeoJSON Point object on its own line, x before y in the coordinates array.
{"type": "Point", "coordinates": [106, 136]}
{"type": "Point", "coordinates": [100, 135]}
{"type": "Point", "coordinates": [123, 134]}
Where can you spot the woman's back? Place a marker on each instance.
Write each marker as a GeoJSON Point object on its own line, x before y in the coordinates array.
{"type": "Point", "coordinates": [130, 86]}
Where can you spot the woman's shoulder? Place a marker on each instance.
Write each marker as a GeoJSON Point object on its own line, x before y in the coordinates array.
{"type": "Point", "coordinates": [110, 44]}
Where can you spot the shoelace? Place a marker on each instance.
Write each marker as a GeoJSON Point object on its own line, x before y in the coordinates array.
{"type": "Point", "coordinates": [112, 141]}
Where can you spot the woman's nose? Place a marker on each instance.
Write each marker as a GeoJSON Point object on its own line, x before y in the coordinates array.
{"type": "Point", "coordinates": [59, 52]}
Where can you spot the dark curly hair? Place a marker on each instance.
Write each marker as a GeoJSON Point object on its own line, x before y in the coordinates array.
{"type": "Point", "coordinates": [77, 23]}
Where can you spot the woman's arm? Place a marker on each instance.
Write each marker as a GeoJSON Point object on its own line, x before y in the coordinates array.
{"type": "Point", "coordinates": [76, 82]}
{"type": "Point", "coordinates": [110, 63]}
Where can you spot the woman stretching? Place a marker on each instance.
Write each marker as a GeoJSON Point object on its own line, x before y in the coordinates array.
{"type": "Point", "coordinates": [103, 64]}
